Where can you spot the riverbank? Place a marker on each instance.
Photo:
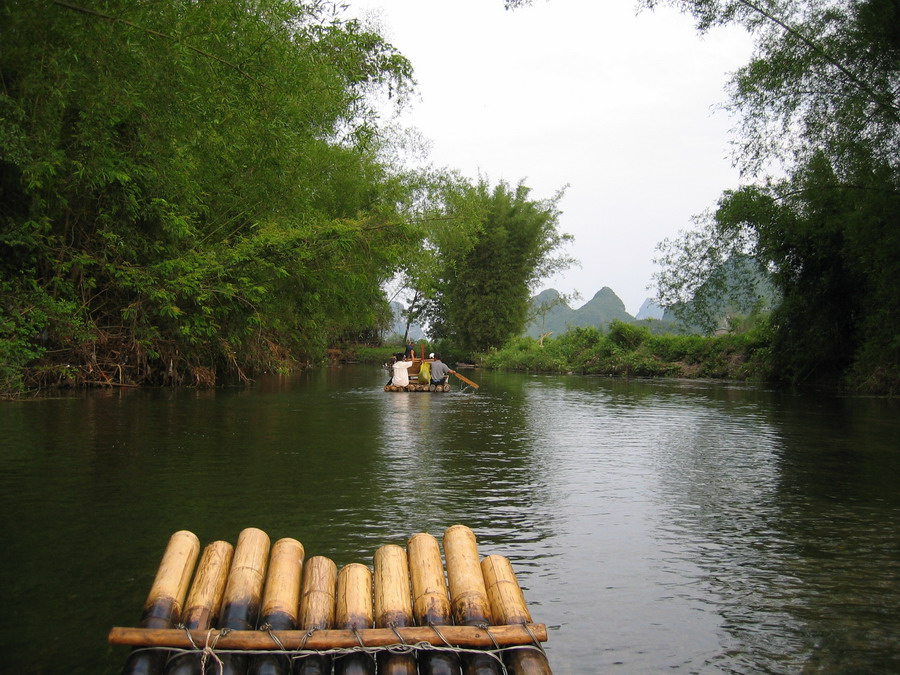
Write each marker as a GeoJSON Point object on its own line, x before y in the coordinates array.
{"type": "Point", "coordinates": [632, 351]}
{"type": "Point", "coordinates": [624, 350]}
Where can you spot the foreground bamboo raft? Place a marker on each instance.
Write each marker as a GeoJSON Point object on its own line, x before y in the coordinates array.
{"type": "Point", "coordinates": [250, 608]}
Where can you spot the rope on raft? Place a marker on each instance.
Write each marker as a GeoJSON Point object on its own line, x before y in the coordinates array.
{"type": "Point", "coordinates": [209, 652]}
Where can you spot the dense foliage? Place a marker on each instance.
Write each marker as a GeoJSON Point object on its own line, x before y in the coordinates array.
{"type": "Point", "coordinates": [820, 99]}
{"type": "Point", "coordinates": [479, 292]}
{"type": "Point", "coordinates": [188, 189]}
{"type": "Point", "coordinates": [628, 350]}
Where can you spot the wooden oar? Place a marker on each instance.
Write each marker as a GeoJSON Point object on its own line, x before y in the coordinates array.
{"type": "Point", "coordinates": [465, 379]}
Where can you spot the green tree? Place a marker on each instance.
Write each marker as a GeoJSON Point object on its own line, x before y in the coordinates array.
{"type": "Point", "coordinates": [190, 188]}
{"type": "Point", "coordinates": [482, 292]}
{"type": "Point", "coordinates": [445, 226]}
{"type": "Point", "coordinates": [820, 98]}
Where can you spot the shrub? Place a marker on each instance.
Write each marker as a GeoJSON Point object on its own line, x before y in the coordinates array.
{"type": "Point", "coordinates": [627, 335]}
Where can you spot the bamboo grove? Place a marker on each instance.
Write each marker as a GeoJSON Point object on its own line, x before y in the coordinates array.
{"type": "Point", "coordinates": [189, 188]}
{"type": "Point", "coordinates": [193, 193]}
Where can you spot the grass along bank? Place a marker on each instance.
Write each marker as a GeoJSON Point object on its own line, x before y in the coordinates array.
{"type": "Point", "coordinates": [632, 351]}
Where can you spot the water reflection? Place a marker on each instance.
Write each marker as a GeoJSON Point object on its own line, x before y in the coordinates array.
{"type": "Point", "coordinates": [459, 457]}
{"type": "Point", "coordinates": [700, 527]}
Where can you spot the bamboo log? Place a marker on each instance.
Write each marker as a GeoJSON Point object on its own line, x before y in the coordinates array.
{"type": "Point", "coordinates": [203, 602]}
{"type": "Point", "coordinates": [240, 606]}
{"type": "Point", "coordinates": [468, 596]}
{"type": "Point", "coordinates": [163, 605]}
{"type": "Point", "coordinates": [431, 602]}
{"type": "Point", "coordinates": [353, 610]}
{"type": "Point", "coordinates": [282, 596]}
{"type": "Point", "coordinates": [508, 606]}
{"type": "Point", "coordinates": [393, 605]}
{"type": "Point", "coordinates": [457, 636]}
{"type": "Point", "coordinates": [280, 602]}
{"type": "Point", "coordinates": [317, 610]}
{"type": "Point", "coordinates": [205, 599]}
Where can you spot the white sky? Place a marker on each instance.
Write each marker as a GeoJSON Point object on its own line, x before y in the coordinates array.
{"type": "Point", "coordinates": [617, 104]}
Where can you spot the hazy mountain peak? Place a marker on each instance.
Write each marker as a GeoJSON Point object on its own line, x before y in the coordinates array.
{"type": "Point", "coordinates": [600, 311]}
{"type": "Point", "coordinates": [650, 310]}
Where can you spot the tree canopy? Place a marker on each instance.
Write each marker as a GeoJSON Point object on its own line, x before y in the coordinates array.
{"type": "Point", "coordinates": [819, 103]}
{"type": "Point", "coordinates": [482, 281]}
{"type": "Point", "coordinates": [188, 188]}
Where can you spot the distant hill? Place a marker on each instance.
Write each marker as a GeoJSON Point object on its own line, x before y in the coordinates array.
{"type": "Point", "coordinates": [737, 288]}
{"type": "Point", "coordinates": [399, 324]}
{"type": "Point", "coordinates": [650, 310]}
{"type": "Point", "coordinates": [554, 315]}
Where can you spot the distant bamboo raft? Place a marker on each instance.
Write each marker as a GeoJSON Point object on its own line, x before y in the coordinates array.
{"type": "Point", "coordinates": [250, 607]}
{"type": "Point", "coordinates": [415, 386]}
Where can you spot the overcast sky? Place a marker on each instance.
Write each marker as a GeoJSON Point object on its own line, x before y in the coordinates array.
{"type": "Point", "coordinates": [618, 105]}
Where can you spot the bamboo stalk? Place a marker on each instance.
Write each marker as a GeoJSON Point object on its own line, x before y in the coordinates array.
{"type": "Point", "coordinates": [205, 599]}
{"type": "Point", "coordinates": [431, 601]}
{"type": "Point", "coordinates": [393, 605]}
{"type": "Point", "coordinates": [317, 610]}
{"type": "Point", "coordinates": [508, 606]}
{"type": "Point", "coordinates": [240, 606]}
{"type": "Point", "coordinates": [353, 610]}
{"type": "Point", "coordinates": [280, 602]}
{"type": "Point", "coordinates": [457, 636]}
{"type": "Point", "coordinates": [468, 596]}
{"type": "Point", "coordinates": [282, 595]}
{"type": "Point", "coordinates": [203, 602]}
{"type": "Point", "coordinates": [163, 605]}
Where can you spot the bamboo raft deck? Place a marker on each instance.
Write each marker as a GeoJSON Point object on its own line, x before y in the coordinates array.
{"type": "Point", "coordinates": [415, 386]}
{"type": "Point", "coordinates": [252, 608]}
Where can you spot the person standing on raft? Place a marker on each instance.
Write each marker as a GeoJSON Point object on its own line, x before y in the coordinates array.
{"type": "Point", "coordinates": [439, 370]}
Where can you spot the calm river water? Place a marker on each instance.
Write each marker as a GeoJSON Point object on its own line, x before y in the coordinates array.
{"type": "Point", "coordinates": [655, 526]}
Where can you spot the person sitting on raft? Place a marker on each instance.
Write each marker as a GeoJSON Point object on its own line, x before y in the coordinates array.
{"type": "Point", "coordinates": [401, 371]}
{"type": "Point", "coordinates": [439, 370]}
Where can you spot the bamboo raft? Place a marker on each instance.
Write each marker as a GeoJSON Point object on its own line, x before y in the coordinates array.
{"type": "Point", "coordinates": [256, 609]}
{"type": "Point", "coordinates": [415, 385]}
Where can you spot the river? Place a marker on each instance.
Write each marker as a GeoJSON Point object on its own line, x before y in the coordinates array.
{"type": "Point", "coordinates": [655, 526]}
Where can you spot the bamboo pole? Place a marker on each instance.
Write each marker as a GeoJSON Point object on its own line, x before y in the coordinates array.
{"type": "Point", "coordinates": [508, 606]}
{"type": "Point", "coordinates": [203, 602]}
{"type": "Point", "coordinates": [280, 602]}
{"type": "Point", "coordinates": [163, 605]}
{"type": "Point", "coordinates": [468, 596]}
{"type": "Point", "coordinates": [317, 597]}
{"type": "Point", "coordinates": [431, 602]}
{"type": "Point", "coordinates": [464, 379]}
{"type": "Point", "coordinates": [353, 610]}
{"type": "Point", "coordinates": [240, 606]}
{"type": "Point", "coordinates": [393, 605]}
{"type": "Point", "coordinates": [457, 636]}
